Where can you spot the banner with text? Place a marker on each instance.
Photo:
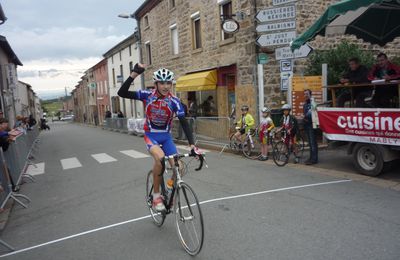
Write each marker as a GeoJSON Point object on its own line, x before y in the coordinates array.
{"type": "Point", "coordinates": [376, 126]}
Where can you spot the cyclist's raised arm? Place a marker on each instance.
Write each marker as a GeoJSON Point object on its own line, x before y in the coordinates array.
{"type": "Point", "coordinates": [124, 90]}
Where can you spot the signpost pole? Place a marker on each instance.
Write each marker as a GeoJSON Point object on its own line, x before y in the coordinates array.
{"type": "Point", "coordinates": [260, 74]}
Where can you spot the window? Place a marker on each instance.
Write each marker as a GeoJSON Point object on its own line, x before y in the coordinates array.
{"type": "Point", "coordinates": [171, 4]}
{"type": "Point", "coordinates": [174, 39]}
{"type": "Point", "coordinates": [226, 13]}
{"type": "Point", "coordinates": [146, 21]}
{"type": "Point", "coordinates": [120, 56]}
{"type": "Point", "coordinates": [196, 27]}
{"type": "Point", "coordinates": [148, 52]}
{"type": "Point", "coordinates": [112, 59]}
{"type": "Point", "coordinates": [121, 71]}
{"type": "Point", "coordinates": [113, 76]}
{"type": "Point", "coordinates": [130, 66]}
{"type": "Point", "coordinates": [130, 50]}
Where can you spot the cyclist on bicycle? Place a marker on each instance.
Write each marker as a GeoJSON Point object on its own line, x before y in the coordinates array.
{"type": "Point", "coordinates": [266, 125]}
{"type": "Point", "coordinates": [245, 125]}
{"type": "Point", "coordinates": [289, 124]}
{"type": "Point", "coordinates": [160, 107]}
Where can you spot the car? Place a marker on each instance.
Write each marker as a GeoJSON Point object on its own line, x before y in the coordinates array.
{"type": "Point", "coordinates": [67, 118]}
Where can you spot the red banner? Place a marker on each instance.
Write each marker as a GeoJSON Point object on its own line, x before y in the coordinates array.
{"type": "Point", "coordinates": [375, 125]}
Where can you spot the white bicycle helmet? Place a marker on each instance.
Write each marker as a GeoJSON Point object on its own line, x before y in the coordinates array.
{"type": "Point", "coordinates": [163, 75]}
{"type": "Point", "coordinates": [286, 107]}
{"type": "Point", "coordinates": [265, 110]}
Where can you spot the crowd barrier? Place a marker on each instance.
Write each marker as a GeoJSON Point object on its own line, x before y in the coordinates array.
{"type": "Point", "coordinates": [117, 124]}
{"type": "Point", "coordinates": [13, 165]}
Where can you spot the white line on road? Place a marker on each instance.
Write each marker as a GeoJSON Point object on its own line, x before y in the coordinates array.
{"type": "Point", "coordinates": [148, 216]}
{"type": "Point", "coordinates": [70, 163]}
{"type": "Point", "coordinates": [32, 170]}
{"type": "Point", "coordinates": [187, 148]}
{"type": "Point", "coordinates": [103, 158]}
{"type": "Point", "coordinates": [135, 154]}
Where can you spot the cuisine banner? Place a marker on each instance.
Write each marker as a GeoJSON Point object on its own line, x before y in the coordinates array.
{"type": "Point", "coordinates": [378, 126]}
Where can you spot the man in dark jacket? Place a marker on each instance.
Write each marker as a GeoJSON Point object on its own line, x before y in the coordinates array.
{"type": "Point", "coordinates": [308, 129]}
{"type": "Point", "coordinates": [356, 74]}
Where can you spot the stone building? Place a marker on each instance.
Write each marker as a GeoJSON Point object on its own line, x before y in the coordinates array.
{"type": "Point", "coordinates": [186, 37]}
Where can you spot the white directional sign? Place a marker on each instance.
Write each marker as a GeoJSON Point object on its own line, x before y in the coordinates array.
{"type": "Point", "coordinates": [286, 53]}
{"type": "Point", "coordinates": [268, 27]}
{"type": "Point", "coordinates": [282, 38]}
{"type": "Point", "coordinates": [277, 13]}
{"type": "Point", "coordinates": [281, 2]}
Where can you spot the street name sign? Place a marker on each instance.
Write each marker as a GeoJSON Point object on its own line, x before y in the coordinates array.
{"type": "Point", "coordinates": [286, 53]}
{"type": "Point", "coordinates": [281, 2]}
{"type": "Point", "coordinates": [268, 27]}
{"type": "Point", "coordinates": [277, 13]}
{"type": "Point", "coordinates": [281, 38]}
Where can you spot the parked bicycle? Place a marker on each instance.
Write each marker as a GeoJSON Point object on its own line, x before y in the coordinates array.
{"type": "Point", "coordinates": [181, 200]}
{"type": "Point", "coordinates": [250, 146]}
{"type": "Point", "coordinates": [282, 148]}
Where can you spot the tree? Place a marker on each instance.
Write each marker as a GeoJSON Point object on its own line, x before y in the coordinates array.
{"type": "Point", "coordinates": [337, 60]}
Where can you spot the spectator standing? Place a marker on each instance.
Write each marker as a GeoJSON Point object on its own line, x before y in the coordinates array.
{"type": "Point", "coordinates": [266, 125]}
{"type": "Point", "coordinates": [32, 122]}
{"type": "Point", "coordinates": [289, 123]}
{"type": "Point", "coordinates": [308, 128]}
{"type": "Point", "coordinates": [208, 106]}
{"type": "Point", "coordinates": [192, 108]}
{"type": "Point", "coordinates": [120, 114]}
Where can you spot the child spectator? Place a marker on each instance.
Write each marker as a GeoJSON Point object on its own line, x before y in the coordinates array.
{"type": "Point", "coordinates": [266, 125]}
{"type": "Point", "coordinates": [289, 124]}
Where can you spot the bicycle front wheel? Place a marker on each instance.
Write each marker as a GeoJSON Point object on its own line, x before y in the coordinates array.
{"type": "Point", "coordinates": [188, 219]}
{"type": "Point", "coordinates": [300, 146]}
{"type": "Point", "coordinates": [280, 153]}
{"type": "Point", "coordinates": [158, 217]}
{"type": "Point", "coordinates": [233, 144]}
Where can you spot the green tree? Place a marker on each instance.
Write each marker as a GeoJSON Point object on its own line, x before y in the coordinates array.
{"type": "Point", "coordinates": [337, 60]}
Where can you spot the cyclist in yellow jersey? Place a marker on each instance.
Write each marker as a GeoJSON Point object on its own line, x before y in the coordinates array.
{"type": "Point", "coordinates": [245, 124]}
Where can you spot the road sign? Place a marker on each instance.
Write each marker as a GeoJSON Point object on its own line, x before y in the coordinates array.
{"type": "Point", "coordinates": [262, 58]}
{"type": "Point", "coordinates": [286, 65]}
{"type": "Point", "coordinates": [281, 2]}
{"type": "Point", "coordinates": [277, 13]}
{"type": "Point", "coordinates": [282, 38]}
{"type": "Point", "coordinates": [269, 27]}
{"type": "Point", "coordinates": [286, 53]}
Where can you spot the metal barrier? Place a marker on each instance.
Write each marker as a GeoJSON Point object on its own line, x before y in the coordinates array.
{"type": "Point", "coordinates": [13, 165]}
{"type": "Point", "coordinates": [117, 124]}
{"type": "Point", "coordinates": [207, 130]}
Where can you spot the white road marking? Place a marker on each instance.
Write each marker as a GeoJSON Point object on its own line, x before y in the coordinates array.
{"type": "Point", "coordinates": [32, 170]}
{"type": "Point", "coordinates": [103, 158]}
{"type": "Point", "coordinates": [70, 163]}
{"type": "Point", "coordinates": [187, 148]}
{"type": "Point", "coordinates": [135, 154]}
{"type": "Point", "coordinates": [148, 216]}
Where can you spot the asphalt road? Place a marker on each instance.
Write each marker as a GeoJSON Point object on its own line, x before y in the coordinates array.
{"type": "Point", "coordinates": [97, 210]}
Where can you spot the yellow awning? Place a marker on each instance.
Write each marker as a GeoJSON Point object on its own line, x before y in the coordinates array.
{"type": "Point", "coordinates": [205, 80]}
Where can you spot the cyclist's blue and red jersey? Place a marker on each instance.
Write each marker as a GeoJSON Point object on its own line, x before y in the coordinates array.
{"type": "Point", "coordinates": [159, 111]}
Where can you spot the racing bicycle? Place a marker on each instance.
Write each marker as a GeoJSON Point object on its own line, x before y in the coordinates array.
{"type": "Point", "coordinates": [282, 149]}
{"type": "Point", "coordinates": [181, 200]}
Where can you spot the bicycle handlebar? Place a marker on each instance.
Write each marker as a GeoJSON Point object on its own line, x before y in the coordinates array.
{"type": "Point", "coordinates": [200, 157]}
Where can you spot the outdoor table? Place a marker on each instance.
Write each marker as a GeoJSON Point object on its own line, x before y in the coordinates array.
{"type": "Point", "coordinates": [372, 85]}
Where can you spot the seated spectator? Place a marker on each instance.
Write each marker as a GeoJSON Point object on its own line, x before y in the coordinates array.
{"type": "Point", "coordinates": [386, 70]}
{"type": "Point", "coordinates": [356, 74]}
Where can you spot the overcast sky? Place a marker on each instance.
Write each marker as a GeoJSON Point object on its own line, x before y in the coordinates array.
{"type": "Point", "coordinates": [57, 40]}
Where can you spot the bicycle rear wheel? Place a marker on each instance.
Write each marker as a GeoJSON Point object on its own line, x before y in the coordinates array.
{"type": "Point", "coordinates": [251, 150]}
{"type": "Point", "coordinates": [158, 217]}
{"type": "Point", "coordinates": [233, 144]}
{"type": "Point", "coordinates": [188, 219]}
{"type": "Point", "coordinates": [280, 153]}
